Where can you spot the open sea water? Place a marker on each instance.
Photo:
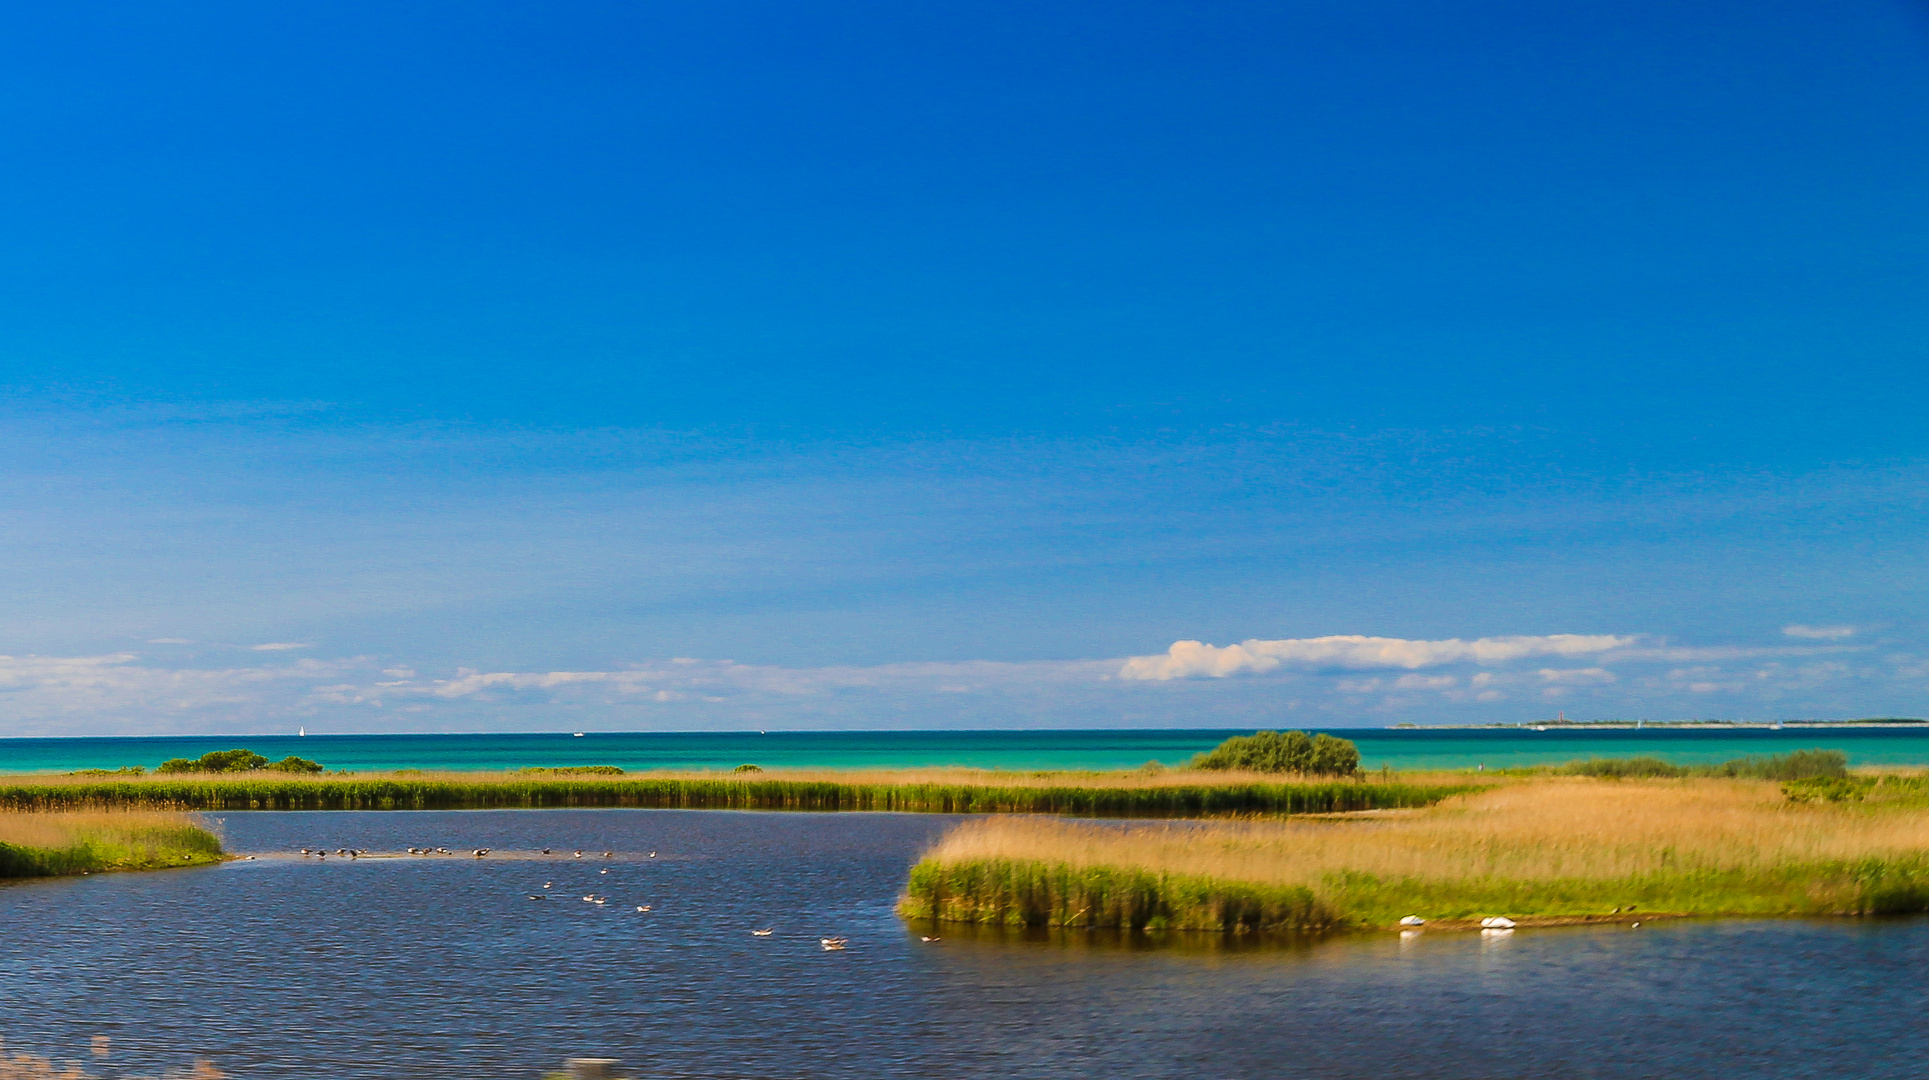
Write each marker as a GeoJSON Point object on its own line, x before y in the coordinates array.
{"type": "Point", "coordinates": [1027, 750]}
{"type": "Point", "coordinates": [289, 967]}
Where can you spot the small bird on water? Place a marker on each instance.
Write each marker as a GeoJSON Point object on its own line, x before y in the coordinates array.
{"type": "Point", "coordinates": [832, 944]}
{"type": "Point", "coordinates": [762, 933]}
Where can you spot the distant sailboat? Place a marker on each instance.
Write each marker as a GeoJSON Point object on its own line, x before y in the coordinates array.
{"type": "Point", "coordinates": [301, 731]}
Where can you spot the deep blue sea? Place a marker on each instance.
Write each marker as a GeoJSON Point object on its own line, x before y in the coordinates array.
{"type": "Point", "coordinates": [1398, 748]}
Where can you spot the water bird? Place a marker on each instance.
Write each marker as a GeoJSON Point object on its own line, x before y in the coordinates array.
{"type": "Point", "coordinates": [652, 854]}
{"type": "Point", "coordinates": [832, 944]}
{"type": "Point", "coordinates": [578, 855]}
{"type": "Point", "coordinates": [762, 933]}
{"type": "Point", "coordinates": [1413, 920]}
{"type": "Point", "coordinates": [930, 939]}
{"type": "Point", "coordinates": [545, 851]}
{"type": "Point", "coordinates": [547, 884]}
{"type": "Point", "coordinates": [609, 854]}
{"type": "Point", "coordinates": [642, 907]}
{"type": "Point", "coordinates": [1497, 922]}
{"type": "Point", "coordinates": [533, 897]}
{"type": "Point", "coordinates": [1636, 926]}
{"type": "Point", "coordinates": [481, 851]}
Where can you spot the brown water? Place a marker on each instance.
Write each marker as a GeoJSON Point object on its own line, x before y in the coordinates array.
{"type": "Point", "coordinates": [289, 967]}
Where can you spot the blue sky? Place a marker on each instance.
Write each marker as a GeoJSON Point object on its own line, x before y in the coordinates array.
{"type": "Point", "coordinates": [863, 365]}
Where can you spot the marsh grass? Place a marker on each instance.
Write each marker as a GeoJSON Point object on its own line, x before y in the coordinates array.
{"type": "Point", "coordinates": [1123, 794]}
{"type": "Point", "coordinates": [42, 843]}
{"type": "Point", "coordinates": [1549, 848]}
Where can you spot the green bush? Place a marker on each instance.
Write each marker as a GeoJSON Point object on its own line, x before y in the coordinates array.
{"type": "Point", "coordinates": [293, 764]}
{"type": "Point", "coordinates": [748, 768]}
{"type": "Point", "coordinates": [217, 761]}
{"type": "Point", "coordinates": [572, 770]}
{"type": "Point", "coordinates": [1284, 752]}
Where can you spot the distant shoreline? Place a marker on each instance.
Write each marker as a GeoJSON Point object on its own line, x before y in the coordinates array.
{"type": "Point", "coordinates": [1670, 725]}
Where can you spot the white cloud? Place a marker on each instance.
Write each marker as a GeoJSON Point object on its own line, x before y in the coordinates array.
{"type": "Point", "coordinates": [1187, 659]}
{"type": "Point", "coordinates": [279, 646]}
{"type": "Point", "coordinates": [169, 641]}
{"type": "Point", "coordinates": [1818, 633]}
{"type": "Point", "coordinates": [1592, 676]}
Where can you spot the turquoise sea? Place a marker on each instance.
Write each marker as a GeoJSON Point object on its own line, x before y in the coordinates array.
{"type": "Point", "coordinates": [1062, 749]}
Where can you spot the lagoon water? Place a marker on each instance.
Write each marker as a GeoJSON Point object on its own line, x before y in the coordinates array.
{"type": "Point", "coordinates": [286, 967]}
{"type": "Point", "coordinates": [1058, 749]}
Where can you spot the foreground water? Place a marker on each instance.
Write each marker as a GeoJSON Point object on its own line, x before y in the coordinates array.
{"type": "Point", "coordinates": [1398, 748]}
{"type": "Point", "coordinates": [286, 967]}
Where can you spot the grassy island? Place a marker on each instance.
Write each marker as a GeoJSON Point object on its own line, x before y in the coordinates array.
{"type": "Point", "coordinates": [951, 791]}
{"type": "Point", "coordinates": [42, 844]}
{"type": "Point", "coordinates": [1548, 849]}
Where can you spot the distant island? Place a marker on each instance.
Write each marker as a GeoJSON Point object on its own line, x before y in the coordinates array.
{"type": "Point", "coordinates": [1563, 723]}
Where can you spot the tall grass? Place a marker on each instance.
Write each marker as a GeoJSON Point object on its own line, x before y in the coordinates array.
{"type": "Point", "coordinates": [1552, 848]}
{"type": "Point", "coordinates": [43, 843]}
{"type": "Point", "coordinates": [959, 792]}
{"type": "Point", "coordinates": [1795, 765]}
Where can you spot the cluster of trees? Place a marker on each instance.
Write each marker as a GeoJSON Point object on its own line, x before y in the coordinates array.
{"type": "Point", "coordinates": [233, 761]}
{"type": "Point", "coordinates": [1284, 752]}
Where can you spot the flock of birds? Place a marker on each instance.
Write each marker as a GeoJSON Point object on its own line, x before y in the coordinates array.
{"type": "Point", "coordinates": [829, 944]}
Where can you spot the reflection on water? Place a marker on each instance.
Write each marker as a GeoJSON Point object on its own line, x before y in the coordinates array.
{"type": "Point", "coordinates": [446, 967]}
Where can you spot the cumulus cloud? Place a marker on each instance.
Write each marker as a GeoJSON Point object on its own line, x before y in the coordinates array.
{"type": "Point", "coordinates": [1818, 633]}
{"type": "Point", "coordinates": [1191, 659]}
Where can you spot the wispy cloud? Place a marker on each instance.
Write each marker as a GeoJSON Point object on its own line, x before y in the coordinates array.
{"type": "Point", "coordinates": [1819, 633]}
{"type": "Point", "coordinates": [1190, 659]}
{"type": "Point", "coordinates": [279, 646]}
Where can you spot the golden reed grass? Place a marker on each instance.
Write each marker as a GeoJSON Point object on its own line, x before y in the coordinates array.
{"type": "Point", "coordinates": [1548, 847]}
{"type": "Point", "coordinates": [67, 828]}
{"type": "Point", "coordinates": [1545, 829]}
{"type": "Point", "coordinates": [38, 843]}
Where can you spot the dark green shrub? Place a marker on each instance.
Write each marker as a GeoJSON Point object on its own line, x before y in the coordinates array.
{"type": "Point", "coordinates": [217, 761]}
{"type": "Point", "coordinates": [1284, 752]}
{"type": "Point", "coordinates": [748, 768]}
{"type": "Point", "coordinates": [293, 764]}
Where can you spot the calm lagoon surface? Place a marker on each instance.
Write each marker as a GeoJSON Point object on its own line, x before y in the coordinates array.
{"type": "Point", "coordinates": [1439, 748]}
{"type": "Point", "coordinates": [288, 967]}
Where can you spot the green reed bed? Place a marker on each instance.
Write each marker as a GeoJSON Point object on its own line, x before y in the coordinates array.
{"type": "Point", "coordinates": [260, 792]}
{"type": "Point", "coordinates": [1043, 894]}
{"type": "Point", "coordinates": [1007, 892]}
{"type": "Point", "coordinates": [40, 844]}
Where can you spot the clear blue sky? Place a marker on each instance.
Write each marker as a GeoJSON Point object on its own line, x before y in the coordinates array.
{"type": "Point", "coordinates": [928, 362]}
